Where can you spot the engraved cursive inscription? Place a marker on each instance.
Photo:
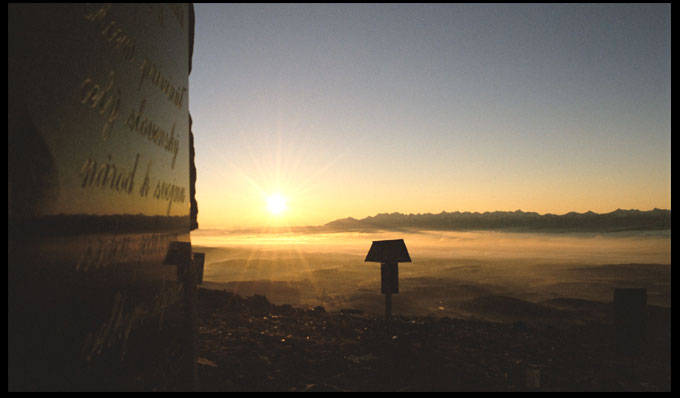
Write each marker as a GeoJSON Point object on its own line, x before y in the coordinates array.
{"type": "Point", "coordinates": [173, 93]}
{"type": "Point", "coordinates": [170, 192]}
{"type": "Point", "coordinates": [102, 98]}
{"type": "Point", "coordinates": [146, 128]}
{"type": "Point", "coordinates": [108, 175]}
{"type": "Point", "coordinates": [178, 12]}
{"type": "Point", "coordinates": [112, 32]}
{"type": "Point", "coordinates": [126, 317]}
{"type": "Point", "coordinates": [104, 253]}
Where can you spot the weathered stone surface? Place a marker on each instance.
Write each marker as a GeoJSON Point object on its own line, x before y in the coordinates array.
{"type": "Point", "coordinates": [98, 187]}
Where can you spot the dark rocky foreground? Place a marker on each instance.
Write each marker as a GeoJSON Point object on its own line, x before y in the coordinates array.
{"type": "Point", "coordinates": [249, 344]}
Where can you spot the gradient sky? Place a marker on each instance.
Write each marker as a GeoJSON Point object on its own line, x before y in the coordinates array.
{"type": "Point", "coordinates": [359, 109]}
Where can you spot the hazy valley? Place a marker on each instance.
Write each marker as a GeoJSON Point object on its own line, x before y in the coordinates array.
{"type": "Point", "coordinates": [457, 274]}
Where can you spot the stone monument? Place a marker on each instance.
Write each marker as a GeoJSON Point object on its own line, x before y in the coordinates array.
{"type": "Point", "coordinates": [98, 190]}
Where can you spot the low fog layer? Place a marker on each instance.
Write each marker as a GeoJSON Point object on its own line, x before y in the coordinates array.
{"type": "Point", "coordinates": [450, 273]}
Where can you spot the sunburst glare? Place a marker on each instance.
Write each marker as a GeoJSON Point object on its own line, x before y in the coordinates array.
{"type": "Point", "coordinates": [276, 204]}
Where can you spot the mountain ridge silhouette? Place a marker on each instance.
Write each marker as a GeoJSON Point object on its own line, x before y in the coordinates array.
{"type": "Point", "coordinates": [615, 221]}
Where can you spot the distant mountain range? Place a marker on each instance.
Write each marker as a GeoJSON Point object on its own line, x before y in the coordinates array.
{"type": "Point", "coordinates": [616, 221]}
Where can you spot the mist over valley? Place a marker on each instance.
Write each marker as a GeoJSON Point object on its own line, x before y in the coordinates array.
{"type": "Point", "coordinates": [452, 273]}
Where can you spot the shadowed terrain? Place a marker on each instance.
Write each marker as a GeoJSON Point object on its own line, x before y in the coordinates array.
{"type": "Point", "coordinates": [249, 344]}
{"type": "Point", "coordinates": [475, 312]}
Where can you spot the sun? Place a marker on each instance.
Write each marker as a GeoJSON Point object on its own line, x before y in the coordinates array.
{"type": "Point", "coordinates": [276, 204]}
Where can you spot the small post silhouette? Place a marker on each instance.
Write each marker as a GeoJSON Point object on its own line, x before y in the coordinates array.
{"type": "Point", "coordinates": [189, 267]}
{"type": "Point", "coordinates": [630, 315]}
{"type": "Point", "coordinates": [388, 253]}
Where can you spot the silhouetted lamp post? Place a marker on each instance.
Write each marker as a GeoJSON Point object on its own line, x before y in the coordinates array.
{"type": "Point", "coordinates": [388, 253]}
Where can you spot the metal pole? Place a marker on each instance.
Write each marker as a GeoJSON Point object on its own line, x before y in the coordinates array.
{"type": "Point", "coordinates": [388, 306]}
{"type": "Point", "coordinates": [191, 327]}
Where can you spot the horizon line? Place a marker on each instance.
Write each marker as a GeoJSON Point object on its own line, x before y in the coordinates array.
{"type": "Point", "coordinates": [263, 229]}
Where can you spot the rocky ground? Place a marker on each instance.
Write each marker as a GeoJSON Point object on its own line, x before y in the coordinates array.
{"type": "Point", "coordinates": [249, 344]}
